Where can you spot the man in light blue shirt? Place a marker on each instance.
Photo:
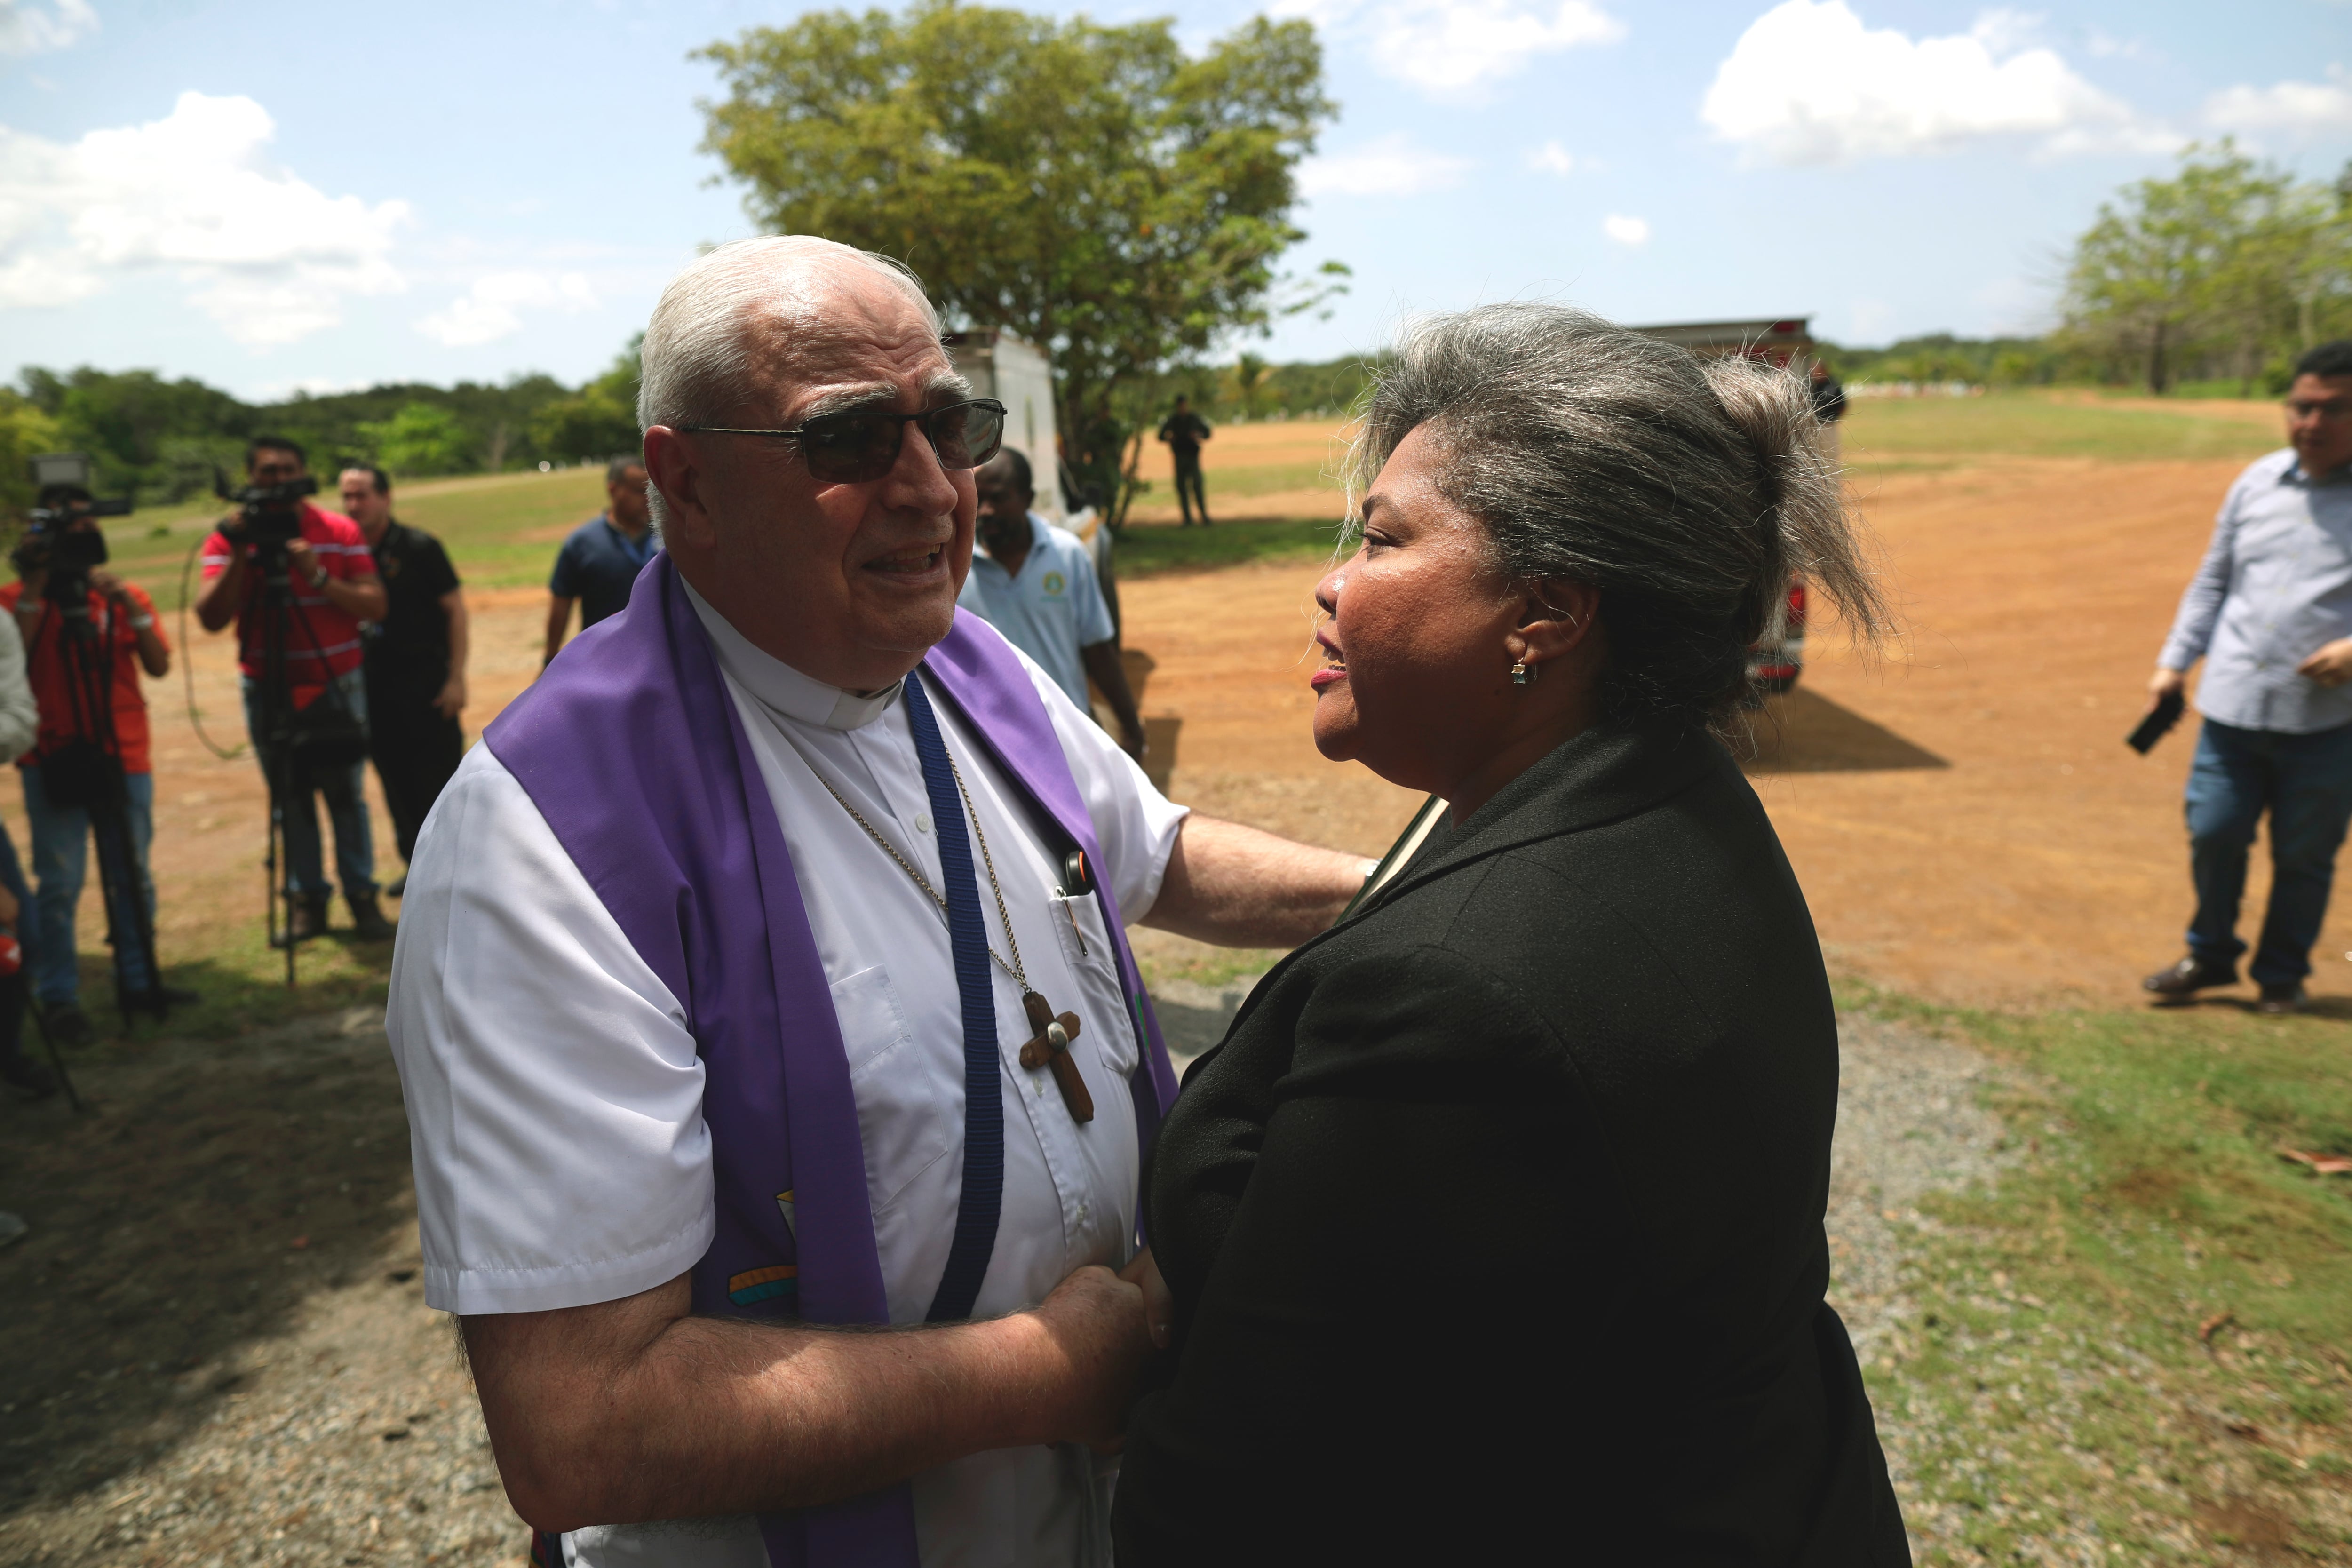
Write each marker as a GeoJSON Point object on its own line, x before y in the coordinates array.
{"type": "Point", "coordinates": [2270, 611]}
{"type": "Point", "coordinates": [1036, 585]}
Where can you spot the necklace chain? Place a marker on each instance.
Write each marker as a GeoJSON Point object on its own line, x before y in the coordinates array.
{"type": "Point", "coordinates": [1020, 977]}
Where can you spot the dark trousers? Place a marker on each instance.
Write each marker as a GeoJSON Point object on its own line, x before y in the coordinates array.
{"type": "Point", "coordinates": [2305, 782]}
{"type": "Point", "coordinates": [1189, 493]}
{"type": "Point", "coordinates": [415, 748]}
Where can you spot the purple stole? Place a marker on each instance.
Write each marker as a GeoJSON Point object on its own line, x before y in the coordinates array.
{"type": "Point", "coordinates": [631, 747]}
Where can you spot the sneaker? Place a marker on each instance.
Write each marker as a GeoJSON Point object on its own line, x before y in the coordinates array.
{"type": "Point", "coordinates": [2278, 1001]}
{"type": "Point", "coordinates": [12, 1229]}
{"type": "Point", "coordinates": [399, 885]}
{"type": "Point", "coordinates": [67, 1023]}
{"type": "Point", "coordinates": [28, 1078]}
{"type": "Point", "coordinates": [2189, 976]}
{"type": "Point", "coordinates": [368, 923]}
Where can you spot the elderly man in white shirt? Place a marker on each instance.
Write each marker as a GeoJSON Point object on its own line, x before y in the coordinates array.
{"type": "Point", "coordinates": [727, 959]}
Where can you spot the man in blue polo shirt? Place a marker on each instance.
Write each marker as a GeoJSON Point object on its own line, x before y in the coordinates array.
{"type": "Point", "coordinates": [1036, 585]}
{"type": "Point", "coordinates": [599, 563]}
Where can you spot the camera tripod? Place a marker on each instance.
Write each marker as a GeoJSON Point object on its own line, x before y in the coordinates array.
{"type": "Point", "coordinates": [281, 738]}
{"type": "Point", "coordinates": [91, 777]}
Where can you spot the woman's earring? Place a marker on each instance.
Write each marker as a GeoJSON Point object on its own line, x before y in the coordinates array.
{"type": "Point", "coordinates": [1521, 674]}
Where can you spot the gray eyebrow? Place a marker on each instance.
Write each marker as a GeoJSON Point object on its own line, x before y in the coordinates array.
{"type": "Point", "coordinates": [940, 388]}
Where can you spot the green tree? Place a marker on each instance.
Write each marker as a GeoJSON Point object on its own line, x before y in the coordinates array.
{"type": "Point", "coordinates": [2220, 268]}
{"type": "Point", "coordinates": [1089, 187]}
{"type": "Point", "coordinates": [25, 432]}
{"type": "Point", "coordinates": [420, 439]}
{"type": "Point", "coordinates": [600, 420]}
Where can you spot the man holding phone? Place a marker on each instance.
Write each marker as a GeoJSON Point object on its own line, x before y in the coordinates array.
{"type": "Point", "coordinates": [2270, 611]}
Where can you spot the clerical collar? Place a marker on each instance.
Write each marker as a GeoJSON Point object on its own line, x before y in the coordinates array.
{"type": "Point", "coordinates": [778, 686]}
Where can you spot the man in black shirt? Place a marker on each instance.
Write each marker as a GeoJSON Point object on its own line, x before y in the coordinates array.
{"type": "Point", "coordinates": [415, 658]}
{"type": "Point", "coordinates": [1185, 431]}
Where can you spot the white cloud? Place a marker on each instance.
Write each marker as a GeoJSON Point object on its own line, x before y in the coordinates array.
{"type": "Point", "coordinates": [27, 28]}
{"type": "Point", "coordinates": [2296, 108]}
{"type": "Point", "coordinates": [1808, 83]}
{"type": "Point", "coordinates": [492, 308]}
{"type": "Point", "coordinates": [1626, 230]}
{"type": "Point", "coordinates": [1453, 47]}
{"type": "Point", "coordinates": [1390, 166]}
{"type": "Point", "coordinates": [268, 255]}
{"type": "Point", "coordinates": [1551, 158]}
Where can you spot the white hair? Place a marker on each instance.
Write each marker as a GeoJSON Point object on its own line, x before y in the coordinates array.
{"type": "Point", "coordinates": [698, 361]}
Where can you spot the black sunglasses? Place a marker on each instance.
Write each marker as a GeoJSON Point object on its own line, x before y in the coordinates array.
{"type": "Point", "coordinates": [851, 449]}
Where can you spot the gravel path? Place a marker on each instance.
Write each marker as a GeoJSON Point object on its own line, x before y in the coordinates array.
{"type": "Point", "coordinates": [341, 1429]}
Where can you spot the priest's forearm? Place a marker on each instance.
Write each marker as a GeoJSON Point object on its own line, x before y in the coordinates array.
{"type": "Point", "coordinates": [1239, 887]}
{"type": "Point", "coordinates": [631, 1411]}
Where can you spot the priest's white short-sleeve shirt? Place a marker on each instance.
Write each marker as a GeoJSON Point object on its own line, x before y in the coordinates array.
{"type": "Point", "coordinates": [555, 1096]}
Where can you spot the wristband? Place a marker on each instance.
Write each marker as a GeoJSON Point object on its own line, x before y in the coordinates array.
{"type": "Point", "coordinates": [142, 621]}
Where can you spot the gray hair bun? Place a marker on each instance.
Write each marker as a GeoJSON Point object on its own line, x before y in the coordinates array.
{"type": "Point", "coordinates": [1688, 492]}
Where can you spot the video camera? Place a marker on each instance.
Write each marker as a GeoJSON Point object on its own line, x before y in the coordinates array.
{"type": "Point", "coordinates": [51, 543]}
{"type": "Point", "coordinates": [268, 515]}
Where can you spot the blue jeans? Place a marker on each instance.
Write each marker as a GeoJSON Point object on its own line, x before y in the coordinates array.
{"type": "Point", "coordinates": [346, 793]}
{"type": "Point", "coordinates": [61, 835]}
{"type": "Point", "coordinates": [2305, 782]}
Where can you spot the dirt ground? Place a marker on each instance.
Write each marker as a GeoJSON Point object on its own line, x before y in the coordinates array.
{"type": "Point", "coordinates": [232, 1363]}
{"type": "Point", "coordinates": [1964, 815]}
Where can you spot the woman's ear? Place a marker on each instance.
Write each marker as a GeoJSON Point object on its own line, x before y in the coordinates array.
{"type": "Point", "coordinates": [1559, 617]}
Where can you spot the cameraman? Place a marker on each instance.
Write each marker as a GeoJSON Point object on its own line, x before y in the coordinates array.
{"type": "Point", "coordinates": [125, 639]}
{"type": "Point", "coordinates": [332, 588]}
{"type": "Point", "coordinates": [416, 657]}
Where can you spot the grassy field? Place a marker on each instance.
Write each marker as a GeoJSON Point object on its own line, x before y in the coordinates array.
{"type": "Point", "coordinates": [2137, 1342]}
{"type": "Point", "coordinates": [503, 529]}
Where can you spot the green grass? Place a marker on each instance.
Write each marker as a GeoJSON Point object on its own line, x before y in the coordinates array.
{"type": "Point", "coordinates": [1240, 483]}
{"type": "Point", "coordinates": [1148, 549]}
{"type": "Point", "coordinates": [2055, 1378]}
{"type": "Point", "coordinates": [2043, 424]}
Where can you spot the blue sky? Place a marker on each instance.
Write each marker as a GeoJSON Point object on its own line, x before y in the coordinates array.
{"type": "Point", "coordinates": [271, 196]}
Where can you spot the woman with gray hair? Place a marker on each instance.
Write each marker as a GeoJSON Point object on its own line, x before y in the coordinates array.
{"type": "Point", "coordinates": [1494, 1228]}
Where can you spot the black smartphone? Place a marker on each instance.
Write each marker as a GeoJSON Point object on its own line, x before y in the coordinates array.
{"type": "Point", "coordinates": [2158, 724]}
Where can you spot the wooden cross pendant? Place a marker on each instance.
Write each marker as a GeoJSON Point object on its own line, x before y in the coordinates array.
{"type": "Point", "coordinates": [1051, 1047]}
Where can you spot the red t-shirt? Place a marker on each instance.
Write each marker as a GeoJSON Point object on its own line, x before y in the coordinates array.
{"type": "Point", "coordinates": [45, 667]}
{"type": "Point", "coordinates": [318, 637]}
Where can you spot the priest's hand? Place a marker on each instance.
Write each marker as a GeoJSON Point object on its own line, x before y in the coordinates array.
{"type": "Point", "coordinates": [1101, 1343]}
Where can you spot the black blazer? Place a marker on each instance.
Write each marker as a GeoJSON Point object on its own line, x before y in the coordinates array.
{"type": "Point", "coordinates": [1495, 1223]}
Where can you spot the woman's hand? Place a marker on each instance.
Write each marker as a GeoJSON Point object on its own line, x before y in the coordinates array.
{"type": "Point", "coordinates": [1159, 1301]}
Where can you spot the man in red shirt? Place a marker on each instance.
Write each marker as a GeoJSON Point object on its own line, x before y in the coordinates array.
{"type": "Point", "coordinates": [66, 672]}
{"type": "Point", "coordinates": [332, 587]}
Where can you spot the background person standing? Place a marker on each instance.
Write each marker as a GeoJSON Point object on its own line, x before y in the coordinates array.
{"type": "Point", "coordinates": [2270, 611]}
{"type": "Point", "coordinates": [129, 640]}
{"type": "Point", "coordinates": [1036, 585]}
{"type": "Point", "coordinates": [1184, 430]}
{"type": "Point", "coordinates": [333, 588]}
{"type": "Point", "coordinates": [415, 658]}
{"type": "Point", "coordinates": [599, 561]}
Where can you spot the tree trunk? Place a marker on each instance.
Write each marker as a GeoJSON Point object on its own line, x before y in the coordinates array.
{"type": "Point", "coordinates": [2156, 369]}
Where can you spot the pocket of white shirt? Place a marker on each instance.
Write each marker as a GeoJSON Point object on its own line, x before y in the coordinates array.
{"type": "Point", "coordinates": [901, 1117]}
{"type": "Point", "coordinates": [1085, 948]}
{"type": "Point", "coordinates": [873, 1024]}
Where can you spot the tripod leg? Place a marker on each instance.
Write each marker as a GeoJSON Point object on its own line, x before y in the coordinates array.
{"type": "Point", "coordinates": [56, 1060]}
